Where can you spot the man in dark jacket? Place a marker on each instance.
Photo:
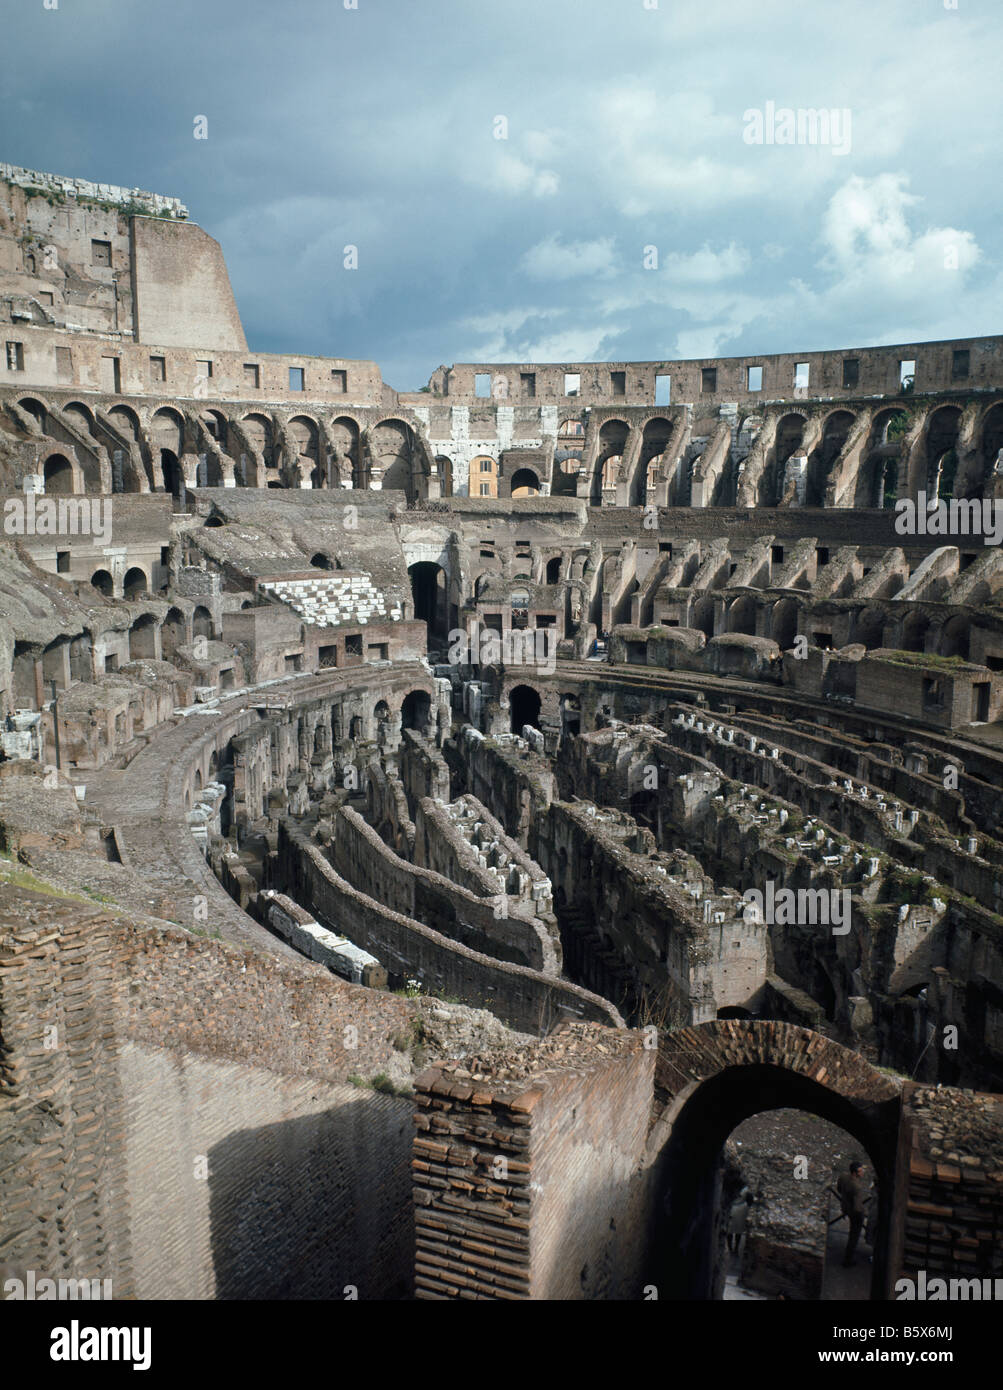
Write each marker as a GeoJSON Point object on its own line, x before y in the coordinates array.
{"type": "Point", "coordinates": [852, 1199]}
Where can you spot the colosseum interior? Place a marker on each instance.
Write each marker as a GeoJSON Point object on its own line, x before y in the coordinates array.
{"type": "Point", "coordinates": [455, 841]}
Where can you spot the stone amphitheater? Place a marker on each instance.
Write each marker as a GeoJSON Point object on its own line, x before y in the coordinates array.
{"type": "Point", "coordinates": [339, 961]}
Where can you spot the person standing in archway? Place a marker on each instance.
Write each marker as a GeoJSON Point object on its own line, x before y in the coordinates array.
{"type": "Point", "coordinates": [853, 1201]}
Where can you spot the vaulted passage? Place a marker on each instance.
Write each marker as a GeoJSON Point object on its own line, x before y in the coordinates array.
{"type": "Point", "coordinates": [719, 1075]}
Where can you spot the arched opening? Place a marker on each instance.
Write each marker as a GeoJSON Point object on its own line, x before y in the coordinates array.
{"type": "Point", "coordinates": [525, 483]}
{"type": "Point", "coordinates": [610, 477]}
{"type": "Point", "coordinates": [260, 435]}
{"type": "Point", "coordinates": [956, 638]}
{"type": "Point", "coordinates": [143, 639]}
{"type": "Point", "coordinates": [134, 585]}
{"type": "Point", "coordinates": [125, 420]}
{"type": "Point", "coordinates": [393, 450]}
{"type": "Point", "coordinates": [554, 570]}
{"type": "Point", "coordinates": [834, 436]}
{"type": "Point", "coordinates": [692, 1260]}
{"type": "Point", "coordinates": [170, 472]}
{"type": "Point", "coordinates": [524, 707]}
{"type": "Point", "coordinates": [34, 408]}
{"type": "Point", "coordinates": [416, 711]}
{"type": "Point", "coordinates": [785, 623]}
{"type": "Point", "coordinates": [992, 444]}
{"type": "Point", "coordinates": [445, 468]}
{"type": "Point", "coordinates": [870, 628]}
{"type": "Point", "coordinates": [202, 622]}
{"type": "Point", "coordinates": [58, 474]}
{"type": "Point", "coordinates": [344, 459]}
{"type": "Point", "coordinates": [654, 441]}
{"type": "Point", "coordinates": [320, 561]}
{"type": "Point", "coordinates": [102, 581]}
{"type": "Point", "coordinates": [172, 634]}
{"type": "Point", "coordinates": [914, 631]}
{"type": "Point", "coordinates": [703, 617]}
{"type": "Point", "coordinates": [612, 442]}
{"type": "Point", "coordinates": [428, 589]}
{"type": "Point", "coordinates": [941, 455]}
{"type": "Point", "coordinates": [742, 616]}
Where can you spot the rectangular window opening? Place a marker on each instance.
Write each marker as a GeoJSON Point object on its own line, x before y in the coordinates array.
{"type": "Point", "coordinates": [339, 381]}
{"type": "Point", "coordinates": [482, 385]}
{"type": "Point", "coordinates": [754, 379]}
{"type": "Point", "coordinates": [618, 383]}
{"type": "Point", "coordinates": [158, 368]}
{"type": "Point", "coordinates": [101, 253]}
{"type": "Point", "coordinates": [802, 375]}
{"type": "Point", "coordinates": [960, 363]}
{"type": "Point", "coordinates": [572, 383]}
{"type": "Point", "coordinates": [252, 375]}
{"type": "Point", "coordinates": [708, 380]}
{"type": "Point", "coordinates": [851, 373]}
{"type": "Point", "coordinates": [296, 378]}
{"type": "Point", "coordinates": [527, 383]}
{"type": "Point", "coordinates": [663, 389]}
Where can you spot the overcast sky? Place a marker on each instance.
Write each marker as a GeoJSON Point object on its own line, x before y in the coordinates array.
{"type": "Point", "coordinates": [626, 129]}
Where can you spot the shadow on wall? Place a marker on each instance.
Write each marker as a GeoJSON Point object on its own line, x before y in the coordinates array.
{"type": "Point", "coordinates": [313, 1207]}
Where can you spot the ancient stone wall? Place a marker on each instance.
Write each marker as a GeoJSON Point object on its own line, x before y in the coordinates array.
{"type": "Point", "coordinates": [525, 999]}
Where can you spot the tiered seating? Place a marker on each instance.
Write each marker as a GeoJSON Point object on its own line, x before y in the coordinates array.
{"type": "Point", "coordinates": [333, 600]}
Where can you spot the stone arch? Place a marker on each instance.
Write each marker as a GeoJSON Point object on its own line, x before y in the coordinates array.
{"type": "Point", "coordinates": [702, 617]}
{"type": "Point", "coordinates": [942, 430]}
{"type": "Point", "coordinates": [835, 432]}
{"type": "Point", "coordinates": [202, 625]}
{"type": "Point", "coordinates": [143, 638]}
{"type": "Point", "coordinates": [103, 582]}
{"type": "Point", "coordinates": [430, 592]}
{"type": "Point", "coordinates": [878, 476]}
{"type": "Point", "coordinates": [59, 475]}
{"type": "Point", "coordinates": [869, 628]}
{"type": "Point", "coordinates": [173, 633]}
{"type": "Point", "coordinates": [524, 707]}
{"type": "Point", "coordinates": [914, 630]}
{"type": "Point", "coordinates": [525, 482]}
{"type": "Point", "coordinates": [553, 570]}
{"type": "Point", "coordinates": [613, 435]}
{"type": "Point", "coordinates": [304, 434]}
{"type": "Point", "coordinates": [716, 1075]}
{"type": "Point", "coordinates": [991, 440]}
{"type": "Point", "coordinates": [445, 466]}
{"type": "Point", "coordinates": [654, 441]}
{"type": "Point", "coordinates": [217, 426]}
{"type": "Point", "coordinates": [392, 448]}
{"type": "Point", "coordinates": [135, 584]}
{"type": "Point", "coordinates": [35, 408]}
{"type": "Point", "coordinates": [784, 623]}
{"type": "Point", "coordinates": [344, 435]}
{"type": "Point", "coordinates": [260, 434]}
{"type": "Point", "coordinates": [955, 639]}
{"type": "Point", "coordinates": [416, 711]}
{"type": "Point", "coordinates": [81, 415]}
{"type": "Point", "coordinates": [125, 420]}
{"type": "Point", "coordinates": [742, 615]}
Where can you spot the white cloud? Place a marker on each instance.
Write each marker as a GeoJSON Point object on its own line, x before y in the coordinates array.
{"type": "Point", "coordinates": [553, 260]}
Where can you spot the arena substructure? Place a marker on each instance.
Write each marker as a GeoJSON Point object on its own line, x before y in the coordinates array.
{"type": "Point", "coordinates": [457, 842]}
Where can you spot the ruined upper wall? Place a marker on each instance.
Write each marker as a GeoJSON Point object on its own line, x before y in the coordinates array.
{"type": "Point", "coordinates": [102, 259]}
{"type": "Point", "coordinates": [840, 374]}
{"type": "Point", "coordinates": [182, 292]}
